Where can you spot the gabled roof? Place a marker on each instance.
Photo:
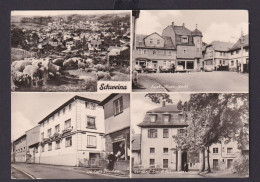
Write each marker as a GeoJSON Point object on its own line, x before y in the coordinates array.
{"type": "Point", "coordinates": [106, 100]}
{"type": "Point", "coordinates": [136, 142]}
{"type": "Point", "coordinates": [220, 45]}
{"type": "Point", "coordinates": [67, 103]}
{"type": "Point", "coordinates": [181, 30]}
{"type": "Point", "coordinates": [167, 108]}
{"type": "Point", "coordinates": [241, 41]}
{"type": "Point", "coordinates": [168, 44]}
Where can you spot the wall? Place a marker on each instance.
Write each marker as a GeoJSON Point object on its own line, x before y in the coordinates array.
{"type": "Point", "coordinates": [168, 31]}
{"type": "Point", "coordinates": [159, 54]}
{"type": "Point", "coordinates": [20, 150]}
{"type": "Point", "coordinates": [33, 136]}
{"type": "Point", "coordinates": [154, 37]}
{"type": "Point", "coordinates": [190, 52]}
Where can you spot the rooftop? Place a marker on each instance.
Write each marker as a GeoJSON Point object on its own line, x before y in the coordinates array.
{"type": "Point", "coordinates": [243, 40]}
{"type": "Point", "coordinates": [221, 46]}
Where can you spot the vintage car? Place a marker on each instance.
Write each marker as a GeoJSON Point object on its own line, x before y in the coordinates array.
{"type": "Point", "coordinates": [154, 169]}
{"type": "Point", "coordinates": [138, 169]}
{"type": "Point", "coordinates": [179, 68]}
{"type": "Point", "coordinates": [208, 68]}
{"type": "Point", "coordinates": [150, 69]}
{"type": "Point", "coordinates": [165, 69]}
{"type": "Point", "coordinates": [138, 68]}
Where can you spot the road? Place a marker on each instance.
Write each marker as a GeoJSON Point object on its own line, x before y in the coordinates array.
{"type": "Point", "coordinates": [190, 174]}
{"type": "Point", "coordinates": [194, 82]}
{"type": "Point", "coordinates": [56, 172]}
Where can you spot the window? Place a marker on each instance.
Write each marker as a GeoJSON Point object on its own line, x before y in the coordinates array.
{"type": "Point", "coordinates": [144, 51]}
{"type": "Point", "coordinates": [67, 124]}
{"type": "Point", "coordinates": [47, 122]}
{"type": "Point", "coordinates": [152, 133]}
{"type": "Point", "coordinates": [237, 51]}
{"type": "Point", "coordinates": [246, 49]}
{"type": "Point", "coordinates": [229, 150]}
{"type": "Point", "coordinates": [220, 61]}
{"type": "Point", "coordinates": [215, 150]}
{"type": "Point", "coordinates": [154, 51]}
{"type": "Point", "coordinates": [170, 52]}
{"type": "Point", "coordinates": [184, 39]}
{"type": "Point", "coordinates": [165, 150]}
{"type": "Point", "coordinates": [64, 110]}
{"type": "Point", "coordinates": [153, 118]}
{"type": "Point", "coordinates": [68, 142]}
{"type": "Point", "coordinates": [165, 133]}
{"type": "Point", "coordinates": [92, 141]}
{"type": "Point", "coordinates": [43, 146]}
{"type": "Point", "coordinates": [118, 106]}
{"type": "Point", "coordinates": [221, 53]}
{"type": "Point", "coordinates": [57, 128]}
{"type": "Point", "coordinates": [158, 41]}
{"type": "Point", "coordinates": [49, 146]}
{"type": "Point", "coordinates": [151, 41]}
{"type": "Point", "coordinates": [232, 63]}
{"type": "Point", "coordinates": [57, 145]}
{"type": "Point", "coordinates": [165, 163]}
{"type": "Point", "coordinates": [185, 51]}
{"type": "Point", "coordinates": [91, 122]}
{"type": "Point", "coordinates": [166, 118]}
{"type": "Point", "coordinates": [152, 150]}
{"type": "Point", "coordinates": [58, 113]}
{"type": "Point", "coordinates": [36, 149]}
{"type": "Point", "coordinates": [223, 61]}
{"type": "Point", "coordinates": [181, 132]}
{"type": "Point", "coordinates": [232, 52]}
{"type": "Point", "coordinates": [42, 135]}
{"type": "Point", "coordinates": [49, 132]}
{"type": "Point", "coordinates": [152, 162]}
{"type": "Point", "coordinates": [70, 107]}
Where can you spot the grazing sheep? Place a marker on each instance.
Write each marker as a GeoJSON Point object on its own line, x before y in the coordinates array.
{"type": "Point", "coordinates": [58, 62]}
{"type": "Point", "coordinates": [53, 68]}
{"type": "Point", "coordinates": [32, 71]}
{"type": "Point", "coordinates": [68, 63]}
{"type": "Point", "coordinates": [82, 65]}
{"type": "Point", "coordinates": [20, 65]}
{"type": "Point", "coordinates": [102, 75]}
{"type": "Point", "coordinates": [100, 67]}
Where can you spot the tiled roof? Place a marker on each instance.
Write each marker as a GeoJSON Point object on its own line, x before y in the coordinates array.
{"type": "Point", "coordinates": [176, 116]}
{"type": "Point", "coordinates": [136, 142]}
{"type": "Point", "coordinates": [221, 46]}
{"type": "Point", "coordinates": [196, 32]}
{"type": "Point", "coordinates": [181, 30]}
{"type": "Point", "coordinates": [238, 44]}
{"type": "Point", "coordinates": [168, 44]}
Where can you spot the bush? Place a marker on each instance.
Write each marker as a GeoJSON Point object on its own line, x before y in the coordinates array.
{"type": "Point", "coordinates": [241, 166]}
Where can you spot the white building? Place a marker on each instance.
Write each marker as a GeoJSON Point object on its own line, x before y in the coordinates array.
{"type": "Point", "coordinates": [72, 134]}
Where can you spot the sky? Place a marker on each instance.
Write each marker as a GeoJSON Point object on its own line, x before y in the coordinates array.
{"type": "Point", "coordinates": [63, 12]}
{"type": "Point", "coordinates": [141, 104]}
{"type": "Point", "coordinates": [222, 25]}
{"type": "Point", "coordinates": [27, 109]}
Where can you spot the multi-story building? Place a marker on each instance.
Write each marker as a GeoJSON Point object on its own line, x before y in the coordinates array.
{"type": "Point", "coordinates": [216, 56]}
{"type": "Point", "coordinates": [117, 128]}
{"type": "Point", "coordinates": [188, 44]}
{"type": "Point", "coordinates": [136, 149]}
{"type": "Point", "coordinates": [32, 142]}
{"type": "Point", "coordinates": [19, 148]}
{"type": "Point", "coordinates": [239, 54]}
{"type": "Point", "coordinates": [73, 134]}
{"type": "Point", "coordinates": [154, 51]}
{"type": "Point", "coordinates": [158, 148]}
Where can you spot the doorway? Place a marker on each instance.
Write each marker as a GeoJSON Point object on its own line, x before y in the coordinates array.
{"type": "Point", "coordinates": [183, 160]}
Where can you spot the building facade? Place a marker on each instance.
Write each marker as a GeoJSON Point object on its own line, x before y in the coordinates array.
{"type": "Point", "coordinates": [158, 148]}
{"type": "Point", "coordinates": [19, 148]}
{"type": "Point", "coordinates": [188, 44]}
{"type": "Point", "coordinates": [32, 142]}
{"type": "Point", "coordinates": [153, 52]}
{"type": "Point", "coordinates": [117, 128]}
{"type": "Point", "coordinates": [73, 134]}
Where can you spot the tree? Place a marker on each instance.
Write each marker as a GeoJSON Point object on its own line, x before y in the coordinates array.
{"type": "Point", "coordinates": [157, 98]}
{"type": "Point", "coordinates": [214, 118]}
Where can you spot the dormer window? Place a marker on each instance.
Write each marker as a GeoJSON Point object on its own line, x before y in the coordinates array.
{"type": "Point", "coordinates": [184, 39]}
{"type": "Point", "coordinates": [158, 41]}
{"type": "Point", "coordinates": [166, 118]}
{"type": "Point", "coordinates": [151, 41]}
{"type": "Point", "coordinates": [153, 118]}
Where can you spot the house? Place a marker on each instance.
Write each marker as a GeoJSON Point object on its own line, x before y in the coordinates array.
{"type": "Point", "coordinates": [154, 50]}
{"type": "Point", "coordinates": [73, 134]}
{"type": "Point", "coordinates": [19, 148]}
{"type": "Point", "coordinates": [239, 54]}
{"type": "Point", "coordinates": [158, 148]}
{"type": "Point", "coordinates": [216, 55]}
{"type": "Point", "coordinates": [136, 149]}
{"type": "Point", "coordinates": [32, 142]}
{"type": "Point", "coordinates": [117, 128]}
{"type": "Point", "coordinates": [188, 45]}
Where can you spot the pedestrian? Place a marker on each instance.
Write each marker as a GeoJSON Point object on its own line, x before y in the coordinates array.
{"type": "Point", "coordinates": [111, 161]}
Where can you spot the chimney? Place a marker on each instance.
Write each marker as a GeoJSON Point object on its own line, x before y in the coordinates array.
{"type": "Point", "coordinates": [163, 103]}
{"type": "Point", "coordinates": [183, 25]}
{"type": "Point", "coordinates": [173, 23]}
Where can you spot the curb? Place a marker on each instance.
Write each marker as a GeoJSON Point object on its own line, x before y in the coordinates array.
{"type": "Point", "coordinates": [31, 176]}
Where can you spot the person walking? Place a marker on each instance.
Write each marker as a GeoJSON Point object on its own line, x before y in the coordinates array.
{"type": "Point", "coordinates": [111, 161]}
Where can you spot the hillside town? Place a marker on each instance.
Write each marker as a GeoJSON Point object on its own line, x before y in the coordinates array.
{"type": "Point", "coordinates": [89, 134]}
{"type": "Point", "coordinates": [181, 49]}
{"type": "Point", "coordinates": [69, 52]}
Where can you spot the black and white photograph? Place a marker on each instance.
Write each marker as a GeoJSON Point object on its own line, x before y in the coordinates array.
{"type": "Point", "coordinates": [190, 135]}
{"type": "Point", "coordinates": [70, 135]}
{"type": "Point", "coordinates": [69, 50]}
{"type": "Point", "coordinates": [190, 51]}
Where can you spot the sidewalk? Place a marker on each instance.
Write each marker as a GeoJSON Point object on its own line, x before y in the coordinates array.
{"type": "Point", "coordinates": [221, 174]}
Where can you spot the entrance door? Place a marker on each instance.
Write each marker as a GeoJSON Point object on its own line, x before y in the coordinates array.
{"type": "Point", "coordinates": [215, 163]}
{"type": "Point", "coordinates": [190, 65]}
{"type": "Point", "coordinates": [94, 159]}
{"type": "Point", "coordinates": [229, 163]}
{"type": "Point", "coordinates": [183, 160]}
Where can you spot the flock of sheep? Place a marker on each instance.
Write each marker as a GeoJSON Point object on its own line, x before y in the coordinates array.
{"type": "Point", "coordinates": [32, 71]}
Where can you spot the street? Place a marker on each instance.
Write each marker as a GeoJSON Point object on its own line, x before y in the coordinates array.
{"type": "Point", "coordinates": [217, 81]}
{"type": "Point", "coordinates": [56, 172]}
{"type": "Point", "coordinates": [181, 174]}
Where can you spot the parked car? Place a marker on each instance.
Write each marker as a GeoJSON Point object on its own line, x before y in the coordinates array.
{"type": "Point", "coordinates": [138, 169]}
{"type": "Point", "coordinates": [154, 169]}
{"type": "Point", "coordinates": [179, 68]}
{"type": "Point", "coordinates": [138, 68]}
{"type": "Point", "coordinates": [150, 69]}
{"type": "Point", "coordinates": [208, 68]}
{"type": "Point", "coordinates": [165, 69]}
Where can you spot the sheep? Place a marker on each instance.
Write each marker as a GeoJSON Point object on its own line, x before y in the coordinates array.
{"type": "Point", "coordinates": [102, 75]}
{"type": "Point", "coordinates": [82, 66]}
{"type": "Point", "coordinates": [58, 62]}
{"type": "Point", "coordinates": [68, 63]}
{"type": "Point", "coordinates": [20, 65]}
{"type": "Point", "coordinates": [32, 71]}
{"type": "Point", "coordinates": [53, 68]}
{"type": "Point", "coordinates": [100, 67]}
